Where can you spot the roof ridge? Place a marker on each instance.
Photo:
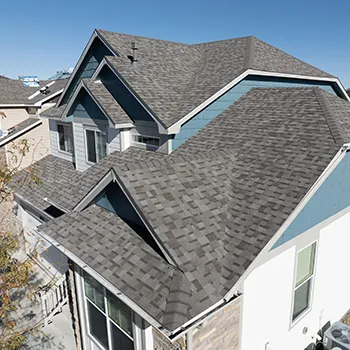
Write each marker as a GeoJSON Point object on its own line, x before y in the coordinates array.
{"type": "Point", "coordinates": [249, 58]}
{"type": "Point", "coordinates": [328, 115]}
{"type": "Point", "coordinates": [286, 53]}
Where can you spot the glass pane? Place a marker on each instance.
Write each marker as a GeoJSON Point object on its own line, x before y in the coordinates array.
{"type": "Point", "coordinates": [98, 325]}
{"type": "Point", "coordinates": [301, 299]}
{"type": "Point", "coordinates": [120, 340]}
{"type": "Point", "coordinates": [69, 139]}
{"type": "Point", "coordinates": [101, 145]}
{"type": "Point", "coordinates": [94, 291]}
{"type": "Point", "coordinates": [61, 137]}
{"type": "Point", "coordinates": [119, 313]}
{"type": "Point", "coordinates": [305, 264]}
{"type": "Point", "coordinates": [90, 140]}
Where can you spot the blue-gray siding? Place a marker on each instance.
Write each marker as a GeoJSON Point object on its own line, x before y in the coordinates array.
{"type": "Point", "coordinates": [332, 197]}
{"type": "Point", "coordinates": [85, 107]}
{"type": "Point", "coordinates": [88, 66]}
{"type": "Point", "coordinates": [225, 101]}
{"type": "Point", "coordinates": [123, 96]}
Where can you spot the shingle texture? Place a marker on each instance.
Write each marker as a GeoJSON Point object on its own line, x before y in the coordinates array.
{"type": "Point", "coordinates": [14, 92]}
{"type": "Point", "coordinates": [174, 78]}
{"type": "Point", "coordinates": [107, 102]}
{"type": "Point", "coordinates": [218, 199]}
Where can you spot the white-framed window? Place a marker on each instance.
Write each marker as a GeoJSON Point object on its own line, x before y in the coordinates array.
{"type": "Point", "coordinates": [146, 140]}
{"type": "Point", "coordinates": [304, 276]}
{"type": "Point", "coordinates": [110, 321]}
{"type": "Point", "coordinates": [65, 138]}
{"type": "Point", "coordinates": [96, 145]}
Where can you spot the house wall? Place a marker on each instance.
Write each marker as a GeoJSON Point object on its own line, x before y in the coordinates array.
{"type": "Point", "coordinates": [161, 342]}
{"type": "Point", "coordinates": [268, 291]}
{"type": "Point", "coordinates": [220, 331]}
{"type": "Point", "coordinates": [332, 197]}
{"type": "Point", "coordinates": [226, 100]}
{"type": "Point", "coordinates": [55, 150]}
{"type": "Point", "coordinates": [38, 139]}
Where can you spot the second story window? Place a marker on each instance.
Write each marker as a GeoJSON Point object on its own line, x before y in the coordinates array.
{"type": "Point", "coordinates": [146, 140]}
{"type": "Point", "coordinates": [65, 138]}
{"type": "Point", "coordinates": [96, 145]}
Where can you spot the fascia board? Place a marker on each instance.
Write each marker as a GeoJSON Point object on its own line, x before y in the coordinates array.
{"type": "Point", "coordinates": [325, 174]}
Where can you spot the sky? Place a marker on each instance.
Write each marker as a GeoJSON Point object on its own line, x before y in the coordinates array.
{"type": "Point", "coordinates": [40, 37]}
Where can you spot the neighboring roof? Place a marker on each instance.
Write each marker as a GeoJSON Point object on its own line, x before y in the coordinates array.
{"type": "Point", "coordinates": [19, 129]}
{"type": "Point", "coordinates": [14, 92]}
{"type": "Point", "coordinates": [348, 91]}
{"type": "Point", "coordinates": [107, 102]}
{"type": "Point", "coordinates": [173, 78]}
{"type": "Point", "coordinates": [54, 112]}
{"type": "Point", "coordinates": [109, 246]}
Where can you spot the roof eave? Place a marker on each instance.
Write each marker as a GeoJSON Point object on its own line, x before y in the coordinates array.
{"type": "Point", "coordinates": [264, 252]}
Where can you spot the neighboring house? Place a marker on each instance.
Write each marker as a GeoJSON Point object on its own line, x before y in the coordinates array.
{"type": "Point", "coordinates": [20, 106]}
{"type": "Point", "coordinates": [200, 193]}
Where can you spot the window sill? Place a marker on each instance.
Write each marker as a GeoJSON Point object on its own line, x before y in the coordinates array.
{"type": "Point", "coordinates": [65, 153]}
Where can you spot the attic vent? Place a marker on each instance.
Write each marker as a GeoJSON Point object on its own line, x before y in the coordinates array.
{"type": "Point", "coordinates": [133, 57]}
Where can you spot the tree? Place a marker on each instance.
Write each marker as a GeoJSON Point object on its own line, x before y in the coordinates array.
{"type": "Point", "coordinates": [15, 274]}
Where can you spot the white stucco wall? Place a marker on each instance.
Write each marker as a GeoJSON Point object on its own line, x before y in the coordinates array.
{"type": "Point", "coordinates": [268, 290]}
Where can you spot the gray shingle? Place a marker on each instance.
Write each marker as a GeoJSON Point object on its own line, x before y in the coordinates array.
{"type": "Point", "coordinates": [110, 247]}
{"type": "Point", "coordinates": [220, 197]}
{"type": "Point", "coordinates": [107, 102]}
{"type": "Point", "coordinates": [14, 92]}
{"type": "Point", "coordinates": [174, 78]}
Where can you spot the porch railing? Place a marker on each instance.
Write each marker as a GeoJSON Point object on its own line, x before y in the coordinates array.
{"type": "Point", "coordinates": [53, 299]}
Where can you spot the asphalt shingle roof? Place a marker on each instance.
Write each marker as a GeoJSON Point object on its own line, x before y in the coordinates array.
{"type": "Point", "coordinates": [14, 92]}
{"type": "Point", "coordinates": [174, 78]}
{"type": "Point", "coordinates": [109, 246]}
{"type": "Point", "coordinates": [107, 102]}
{"type": "Point", "coordinates": [220, 197]}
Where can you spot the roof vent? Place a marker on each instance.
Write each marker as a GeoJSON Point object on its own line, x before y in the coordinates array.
{"type": "Point", "coordinates": [133, 58]}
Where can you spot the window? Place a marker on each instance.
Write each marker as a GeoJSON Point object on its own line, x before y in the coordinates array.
{"type": "Point", "coordinates": [65, 138]}
{"type": "Point", "coordinates": [303, 280]}
{"type": "Point", "coordinates": [146, 140]}
{"type": "Point", "coordinates": [96, 145]}
{"type": "Point", "coordinates": [109, 319]}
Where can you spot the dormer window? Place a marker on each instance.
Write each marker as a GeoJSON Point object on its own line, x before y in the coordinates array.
{"type": "Point", "coordinates": [146, 140]}
{"type": "Point", "coordinates": [65, 138]}
{"type": "Point", "coordinates": [96, 145]}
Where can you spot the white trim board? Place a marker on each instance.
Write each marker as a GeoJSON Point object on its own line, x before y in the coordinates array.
{"type": "Point", "coordinates": [36, 93]}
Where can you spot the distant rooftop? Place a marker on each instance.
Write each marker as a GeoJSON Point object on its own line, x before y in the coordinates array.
{"type": "Point", "coordinates": [62, 74]}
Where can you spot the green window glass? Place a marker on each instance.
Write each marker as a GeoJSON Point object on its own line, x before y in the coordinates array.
{"type": "Point", "coordinates": [119, 313]}
{"type": "Point", "coordinates": [94, 291]}
{"type": "Point", "coordinates": [303, 280]}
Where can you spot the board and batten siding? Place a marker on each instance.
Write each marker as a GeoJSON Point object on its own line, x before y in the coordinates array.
{"type": "Point", "coordinates": [226, 100]}
{"type": "Point", "coordinates": [55, 151]}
